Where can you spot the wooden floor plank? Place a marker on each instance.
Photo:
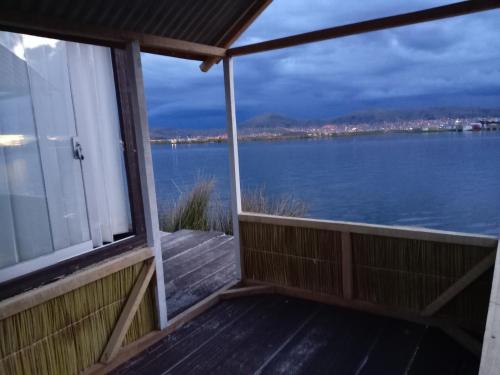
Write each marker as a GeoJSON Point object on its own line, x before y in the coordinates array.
{"type": "Point", "coordinates": [395, 349]}
{"type": "Point", "coordinates": [239, 349]}
{"type": "Point", "coordinates": [265, 338]}
{"type": "Point", "coordinates": [196, 275]}
{"type": "Point", "coordinates": [336, 341]}
{"type": "Point", "coordinates": [183, 357]}
{"type": "Point", "coordinates": [175, 243]}
{"type": "Point", "coordinates": [438, 354]}
{"type": "Point", "coordinates": [273, 334]}
{"type": "Point", "coordinates": [197, 256]}
{"type": "Point", "coordinates": [195, 264]}
{"type": "Point", "coordinates": [186, 337]}
{"type": "Point", "coordinates": [181, 299]}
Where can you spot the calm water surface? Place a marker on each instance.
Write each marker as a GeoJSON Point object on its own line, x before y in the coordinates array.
{"type": "Point", "coordinates": [445, 181]}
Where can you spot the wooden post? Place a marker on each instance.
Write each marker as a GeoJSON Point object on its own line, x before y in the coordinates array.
{"type": "Point", "coordinates": [346, 265]}
{"type": "Point", "coordinates": [140, 121]}
{"type": "Point", "coordinates": [490, 357]}
{"type": "Point", "coordinates": [232, 140]}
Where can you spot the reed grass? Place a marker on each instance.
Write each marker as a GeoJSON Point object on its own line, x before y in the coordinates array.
{"type": "Point", "coordinates": [67, 334]}
{"type": "Point", "coordinates": [202, 209]}
{"type": "Point", "coordinates": [192, 209]}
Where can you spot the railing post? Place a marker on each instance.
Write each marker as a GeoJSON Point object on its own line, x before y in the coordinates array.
{"type": "Point", "coordinates": [346, 265]}
{"type": "Point", "coordinates": [140, 121]}
{"type": "Point", "coordinates": [234, 167]}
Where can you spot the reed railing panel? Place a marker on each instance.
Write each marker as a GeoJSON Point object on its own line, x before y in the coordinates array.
{"type": "Point", "coordinates": [366, 264]}
{"type": "Point", "coordinates": [67, 334]}
{"type": "Point", "coordinates": [291, 256]}
{"type": "Point", "coordinates": [410, 274]}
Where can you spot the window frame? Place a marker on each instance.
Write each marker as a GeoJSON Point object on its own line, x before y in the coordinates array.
{"type": "Point", "coordinates": [42, 270]}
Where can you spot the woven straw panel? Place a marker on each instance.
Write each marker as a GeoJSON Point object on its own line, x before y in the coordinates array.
{"type": "Point", "coordinates": [410, 274]}
{"type": "Point", "coordinates": [296, 257]}
{"type": "Point", "coordinates": [67, 334]}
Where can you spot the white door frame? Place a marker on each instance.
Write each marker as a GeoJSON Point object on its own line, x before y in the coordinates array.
{"type": "Point", "coordinates": [140, 121]}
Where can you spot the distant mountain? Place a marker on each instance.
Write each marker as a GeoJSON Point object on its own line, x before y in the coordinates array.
{"type": "Point", "coordinates": [271, 121]}
{"type": "Point", "coordinates": [166, 133]}
{"type": "Point", "coordinates": [280, 124]}
{"type": "Point", "coordinates": [377, 116]}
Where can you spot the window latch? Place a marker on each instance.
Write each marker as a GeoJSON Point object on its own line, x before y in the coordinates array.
{"type": "Point", "coordinates": [77, 149]}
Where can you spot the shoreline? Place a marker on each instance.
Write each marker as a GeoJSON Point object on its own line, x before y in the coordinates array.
{"type": "Point", "coordinates": [281, 137]}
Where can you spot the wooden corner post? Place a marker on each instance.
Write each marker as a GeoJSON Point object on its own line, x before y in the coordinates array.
{"type": "Point", "coordinates": [234, 166]}
{"type": "Point", "coordinates": [140, 121]}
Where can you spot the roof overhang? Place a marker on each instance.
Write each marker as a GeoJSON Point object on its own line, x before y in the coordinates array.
{"type": "Point", "coordinates": [192, 29]}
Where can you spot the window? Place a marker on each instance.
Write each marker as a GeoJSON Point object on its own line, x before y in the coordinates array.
{"type": "Point", "coordinates": [63, 188]}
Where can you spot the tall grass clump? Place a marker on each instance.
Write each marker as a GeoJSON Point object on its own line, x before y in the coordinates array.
{"type": "Point", "coordinates": [284, 205]}
{"type": "Point", "coordinates": [191, 211]}
{"type": "Point", "coordinates": [201, 209]}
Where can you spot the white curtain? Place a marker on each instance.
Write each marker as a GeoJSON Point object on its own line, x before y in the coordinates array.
{"type": "Point", "coordinates": [98, 124]}
{"type": "Point", "coordinates": [97, 119]}
{"type": "Point", "coordinates": [52, 92]}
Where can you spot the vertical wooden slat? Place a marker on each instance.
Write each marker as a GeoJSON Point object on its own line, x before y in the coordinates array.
{"type": "Point", "coordinates": [232, 138]}
{"type": "Point", "coordinates": [346, 265]}
{"type": "Point", "coordinates": [122, 84]}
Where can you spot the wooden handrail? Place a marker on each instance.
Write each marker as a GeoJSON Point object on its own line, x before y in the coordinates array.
{"type": "Point", "coordinates": [375, 229]}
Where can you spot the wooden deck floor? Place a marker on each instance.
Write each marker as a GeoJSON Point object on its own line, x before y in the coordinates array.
{"type": "Point", "coordinates": [278, 335]}
{"type": "Point", "coordinates": [195, 265]}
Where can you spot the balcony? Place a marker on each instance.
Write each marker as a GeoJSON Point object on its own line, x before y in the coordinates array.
{"type": "Point", "coordinates": [320, 296]}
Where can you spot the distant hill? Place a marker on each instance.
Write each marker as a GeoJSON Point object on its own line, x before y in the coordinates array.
{"type": "Point", "coordinates": [280, 124]}
{"type": "Point", "coordinates": [166, 133]}
{"type": "Point", "coordinates": [373, 116]}
{"type": "Point", "coordinates": [270, 120]}
{"type": "Point", "coordinates": [377, 116]}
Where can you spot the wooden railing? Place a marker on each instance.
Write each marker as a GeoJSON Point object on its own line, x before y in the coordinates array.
{"type": "Point", "coordinates": [413, 273]}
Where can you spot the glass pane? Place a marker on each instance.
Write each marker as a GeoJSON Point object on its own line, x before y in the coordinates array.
{"type": "Point", "coordinates": [55, 121]}
{"type": "Point", "coordinates": [25, 229]}
{"type": "Point", "coordinates": [53, 96]}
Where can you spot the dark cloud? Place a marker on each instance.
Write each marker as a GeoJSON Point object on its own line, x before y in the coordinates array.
{"type": "Point", "coordinates": [447, 62]}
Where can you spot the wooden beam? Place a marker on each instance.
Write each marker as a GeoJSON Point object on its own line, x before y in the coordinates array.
{"type": "Point", "coordinates": [56, 28]}
{"type": "Point", "coordinates": [136, 295]}
{"type": "Point", "coordinates": [463, 338]}
{"type": "Point", "coordinates": [375, 230]}
{"type": "Point", "coordinates": [368, 307]}
{"type": "Point", "coordinates": [473, 274]}
{"type": "Point", "coordinates": [234, 164]}
{"type": "Point", "coordinates": [247, 291]}
{"type": "Point", "coordinates": [145, 164]}
{"type": "Point", "coordinates": [34, 297]}
{"type": "Point", "coordinates": [432, 14]}
{"type": "Point", "coordinates": [347, 288]}
{"type": "Point", "coordinates": [228, 38]}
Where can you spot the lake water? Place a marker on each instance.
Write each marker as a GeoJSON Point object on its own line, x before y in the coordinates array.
{"type": "Point", "coordinates": [445, 181]}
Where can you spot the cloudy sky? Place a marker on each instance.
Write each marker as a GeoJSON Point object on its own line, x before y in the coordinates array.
{"type": "Point", "coordinates": [451, 62]}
